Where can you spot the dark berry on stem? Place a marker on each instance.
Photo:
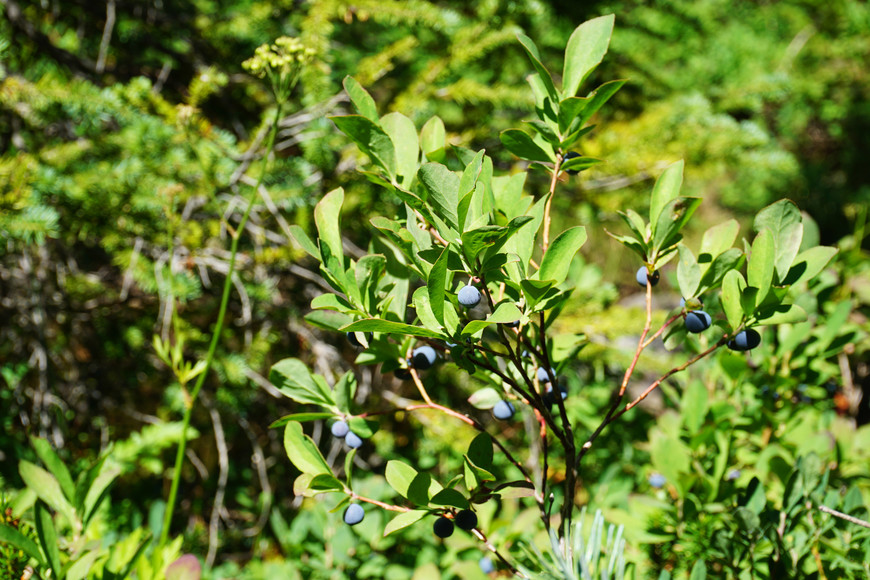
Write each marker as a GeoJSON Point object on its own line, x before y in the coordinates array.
{"type": "Point", "coordinates": [423, 357]}
{"type": "Point", "coordinates": [468, 296]}
{"type": "Point", "coordinates": [466, 520]}
{"type": "Point", "coordinates": [642, 275]}
{"type": "Point", "coordinates": [698, 321]}
{"type": "Point", "coordinates": [339, 429]}
{"type": "Point", "coordinates": [544, 376]}
{"type": "Point", "coordinates": [354, 514]}
{"type": "Point", "coordinates": [351, 338]}
{"type": "Point", "coordinates": [503, 410]}
{"type": "Point", "coordinates": [745, 340]}
{"type": "Point", "coordinates": [443, 527]}
{"type": "Point", "coordinates": [353, 440]}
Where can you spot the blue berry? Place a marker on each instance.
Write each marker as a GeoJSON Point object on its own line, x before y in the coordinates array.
{"type": "Point", "coordinates": [544, 376]}
{"type": "Point", "coordinates": [486, 565]}
{"type": "Point", "coordinates": [733, 474]}
{"type": "Point", "coordinates": [466, 520]}
{"type": "Point", "coordinates": [339, 429]}
{"type": "Point", "coordinates": [698, 321]}
{"type": "Point", "coordinates": [641, 277]}
{"type": "Point", "coordinates": [745, 340]}
{"type": "Point", "coordinates": [351, 338]}
{"type": "Point", "coordinates": [468, 296]}
{"type": "Point", "coordinates": [503, 410]}
{"type": "Point", "coordinates": [353, 440]}
{"type": "Point", "coordinates": [443, 527]}
{"type": "Point", "coordinates": [402, 374]}
{"type": "Point", "coordinates": [354, 514]}
{"type": "Point", "coordinates": [423, 357]}
{"type": "Point", "coordinates": [657, 480]}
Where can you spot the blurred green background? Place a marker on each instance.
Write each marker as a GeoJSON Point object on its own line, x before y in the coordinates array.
{"type": "Point", "coordinates": [127, 131]}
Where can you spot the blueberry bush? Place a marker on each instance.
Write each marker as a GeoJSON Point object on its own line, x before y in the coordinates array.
{"type": "Point", "coordinates": [467, 396]}
{"type": "Point", "coordinates": [470, 276]}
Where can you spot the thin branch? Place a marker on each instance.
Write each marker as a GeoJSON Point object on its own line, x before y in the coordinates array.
{"type": "Point", "coordinates": [842, 516]}
{"type": "Point", "coordinates": [107, 36]}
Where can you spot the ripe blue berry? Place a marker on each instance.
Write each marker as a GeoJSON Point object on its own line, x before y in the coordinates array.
{"type": "Point", "coordinates": [353, 440]}
{"type": "Point", "coordinates": [443, 527]}
{"type": "Point", "coordinates": [423, 357]}
{"type": "Point", "coordinates": [351, 338]}
{"type": "Point", "coordinates": [641, 277]}
{"type": "Point", "coordinates": [571, 155]}
{"type": "Point", "coordinates": [550, 397]}
{"type": "Point", "coordinates": [544, 376]}
{"type": "Point", "coordinates": [354, 514]}
{"type": "Point", "coordinates": [745, 340]}
{"type": "Point", "coordinates": [468, 296]}
{"type": "Point", "coordinates": [698, 321]}
{"type": "Point", "coordinates": [486, 565]}
{"type": "Point", "coordinates": [402, 374]}
{"type": "Point", "coordinates": [503, 410]}
{"type": "Point", "coordinates": [657, 480]}
{"type": "Point", "coordinates": [339, 429]}
{"type": "Point", "coordinates": [466, 520]}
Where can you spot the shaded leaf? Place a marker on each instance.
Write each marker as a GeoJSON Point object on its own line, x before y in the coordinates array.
{"type": "Point", "coordinates": [371, 139]}
{"type": "Point", "coordinates": [523, 146]}
{"type": "Point", "coordinates": [292, 377]}
{"type": "Point", "coordinates": [303, 452]}
{"type": "Point", "coordinates": [443, 187]}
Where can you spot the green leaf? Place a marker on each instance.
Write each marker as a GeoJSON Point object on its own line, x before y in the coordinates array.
{"type": "Point", "coordinates": [781, 314]}
{"type": "Point", "coordinates": [433, 140]}
{"type": "Point", "coordinates": [759, 272]}
{"type": "Point", "coordinates": [443, 187]}
{"type": "Point", "coordinates": [436, 285]}
{"type": "Point", "coordinates": [732, 287]}
{"type": "Point", "coordinates": [536, 290]}
{"type": "Point", "coordinates": [361, 99]}
{"type": "Point", "coordinates": [403, 520]}
{"type": "Point", "coordinates": [783, 219]}
{"type": "Point", "coordinates": [543, 73]}
{"type": "Point", "coordinates": [332, 302]}
{"type": "Point", "coordinates": [390, 327]}
{"type": "Point", "coordinates": [688, 272]}
{"type": "Point", "coordinates": [403, 134]}
{"type": "Point", "coordinates": [9, 536]}
{"type": "Point", "coordinates": [476, 241]}
{"type": "Point", "coordinates": [699, 571]}
{"type": "Point", "coordinates": [423, 307]}
{"type": "Point", "coordinates": [327, 216]}
{"type": "Point", "coordinates": [808, 264]}
{"type": "Point", "coordinates": [485, 398]}
{"type": "Point", "coordinates": [599, 97]}
{"type": "Point", "coordinates": [47, 489]}
{"type": "Point", "coordinates": [47, 535]}
{"type": "Point", "coordinates": [98, 490]}
{"type": "Point", "coordinates": [363, 427]}
{"type": "Point", "coordinates": [345, 390]}
{"type": "Point", "coordinates": [450, 497]}
{"type": "Point", "coordinates": [557, 259]}
{"type": "Point", "coordinates": [327, 320]}
{"type": "Point", "coordinates": [480, 451]}
{"type": "Point", "coordinates": [718, 239]}
{"type": "Point", "coordinates": [580, 163]}
{"type": "Point", "coordinates": [300, 418]}
{"type": "Point", "coordinates": [55, 466]}
{"type": "Point", "coordinates": [666, 189]}
{"type": "Point", "coordinates": [586, 47]}
{"type": "Point", "coordinates": [569, 110]}
{"type": "Point", "coordinates": [505, 312]}
{"type": "Point", "coordinates": [400, 475]}
{"type": "Point", "coordinates": [693, 407]}
{"type": "Point", "coordinates": [523, 146]}
{"type": "Point", "coordinates": [80, 568]}
{"type": "Point", "coordinates": [292, 377]}
{"type": "Point", "coordinates": [302, 451]}
{"type": "Point", "coordinates": [671, 220]}
{"type": "Point", "coordinates": [470, 174]}
{"type": "Point", "coordinates": [725, 262]}
{"type": "Point", "coordinates": [371, 139]}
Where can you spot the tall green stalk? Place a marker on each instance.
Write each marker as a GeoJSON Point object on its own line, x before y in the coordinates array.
{"type": "Point", "coordinates": [215, 337]}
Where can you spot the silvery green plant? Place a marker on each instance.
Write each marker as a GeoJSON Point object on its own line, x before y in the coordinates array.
{"type": "Point", "coordinates": [461, 224]}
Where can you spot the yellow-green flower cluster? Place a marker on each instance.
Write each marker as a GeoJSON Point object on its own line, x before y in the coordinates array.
{"type": "Point", "coordinates": [281, 62]}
